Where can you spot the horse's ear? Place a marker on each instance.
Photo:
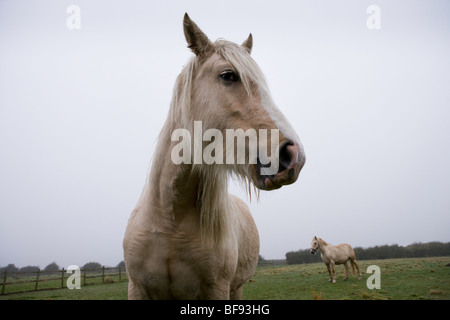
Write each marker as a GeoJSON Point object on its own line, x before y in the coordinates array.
{"type": "Point", "coordinates": [315, 238]}
{"type": "Point", "coordinates": [248, 44]}
{"type": "Point", "coordinates": [197, 41]}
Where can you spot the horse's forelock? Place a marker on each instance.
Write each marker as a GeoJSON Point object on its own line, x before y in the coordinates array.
{"type": "Point", "coordinates": [242, 62]}
{"type": "Point", "coordinates": [237, 56]}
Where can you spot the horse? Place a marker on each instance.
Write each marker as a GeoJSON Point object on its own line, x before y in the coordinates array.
{"type": "Point", "coordinates": [187, 237]}
{"type": "Point", "coordinates": [332, 255]}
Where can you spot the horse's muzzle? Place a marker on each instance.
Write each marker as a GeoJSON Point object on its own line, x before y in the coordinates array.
{"type": "Point", "coordinates": [291, 161]}
{"type": "Point", "coordinates": [312, 251]}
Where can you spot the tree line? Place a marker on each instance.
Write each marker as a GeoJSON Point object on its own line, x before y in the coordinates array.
{"type": "Point", "coordinates": [415, 250]}
{"type": "Point", "coordinates": [52, 267]}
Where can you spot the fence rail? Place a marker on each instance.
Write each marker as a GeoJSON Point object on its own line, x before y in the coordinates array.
{"type": "Point", "coordinates": [28, 281]}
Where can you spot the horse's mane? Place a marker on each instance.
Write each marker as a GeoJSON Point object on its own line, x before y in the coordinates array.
{"type": "Point", "coordinates": [323, 241]}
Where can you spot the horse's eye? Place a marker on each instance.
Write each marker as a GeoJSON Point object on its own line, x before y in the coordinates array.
{"type": "Point", "coordinates": [229, 76]}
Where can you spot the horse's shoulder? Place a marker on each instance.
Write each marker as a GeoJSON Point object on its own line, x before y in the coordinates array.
{"type": "Point", "coordinates": [236, 199]}
{"type": "Point", "coordinates": [239, 204]}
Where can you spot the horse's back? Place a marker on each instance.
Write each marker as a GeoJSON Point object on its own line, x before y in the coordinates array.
{"type": "Point", "coordinates": [342, 253]}
{"type": "Point", "coordinates": [348, 250]}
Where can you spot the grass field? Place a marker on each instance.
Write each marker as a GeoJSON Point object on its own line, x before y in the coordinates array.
{"type": "Point", "coordinates": [401, 279]}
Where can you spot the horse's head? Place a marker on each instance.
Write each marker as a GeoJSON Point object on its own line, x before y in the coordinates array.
{"type": "Point", "coordinates": [314, 245]}
{"type": "Point", "coordinates": [229, 95]}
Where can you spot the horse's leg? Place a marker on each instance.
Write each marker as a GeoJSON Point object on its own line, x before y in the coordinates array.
{"type": "Point", "coordinates": [218, 290]}
{"type": "Point", "coordinates": [329, 271]}
{"type": "Point", "coordinates": [357, 268]}
{"type": "Point", "coordinates": [236, 294]}
{"type": "Point", "coordinates": [134, 293]}
{"type": "Point", "coordinates": [353, 266]}
{"type": "Point", "coordinates": [346, 270]}
{"type": "Point", "coordinates": [333, 271]}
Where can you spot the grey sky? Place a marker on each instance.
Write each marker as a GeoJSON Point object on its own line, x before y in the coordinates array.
{"type": "Point", "coordinates": [80, 111]}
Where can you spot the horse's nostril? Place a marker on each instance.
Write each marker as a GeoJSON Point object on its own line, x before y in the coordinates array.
{"type": "Point", "coordinates": [285, 156]}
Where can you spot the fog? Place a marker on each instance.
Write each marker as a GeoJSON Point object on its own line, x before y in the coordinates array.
{"type": "Point", "coordinates": [81, 110]}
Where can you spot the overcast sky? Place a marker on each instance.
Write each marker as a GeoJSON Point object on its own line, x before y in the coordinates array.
{"type": "Point", "coordinates": [80, 111]}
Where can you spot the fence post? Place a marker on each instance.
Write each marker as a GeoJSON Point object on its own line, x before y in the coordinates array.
{"type": "Point", "coordinates": [62, 278]}
{"type": "Point", "coordinates": [37, 279]}
{"type": "Point", "coordinates": [4, 282]}
{"type": "Point", "coordinates": [103, 274]}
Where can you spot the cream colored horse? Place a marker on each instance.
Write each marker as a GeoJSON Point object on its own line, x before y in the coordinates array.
{"type": "Point", "coordinates": [188, 238]}
{"type": "Point", "coordinates": [332, 255]}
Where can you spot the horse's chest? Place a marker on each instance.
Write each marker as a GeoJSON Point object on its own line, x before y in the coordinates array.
{"type": "Point", "coordinates": [325, 258]}
{"type": "Point", "coordinates": [193, 278]}
{"type": "Point", "coordinates": [188, 274]}
{"type": "Point", "coordinates": [185, 284]}
{"type": "Point", "coordinates": [172, 281]}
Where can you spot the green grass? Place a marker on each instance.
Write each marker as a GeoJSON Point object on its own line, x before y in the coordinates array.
{"type": "Point", "coordinates": [401, 279]}
{"type": "Point", "coordinates": [98, 291]}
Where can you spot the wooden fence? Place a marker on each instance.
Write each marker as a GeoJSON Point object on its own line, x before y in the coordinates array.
{"type": "Point", "coordinates": [19, 282]}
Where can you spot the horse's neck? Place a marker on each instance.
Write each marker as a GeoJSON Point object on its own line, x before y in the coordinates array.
{"type": "Point", "coordinates": [213, 203]}
{"type": "Point", "coordinates": [323, 244]}
{"type": "Point", "coordinates": [200, 192]}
